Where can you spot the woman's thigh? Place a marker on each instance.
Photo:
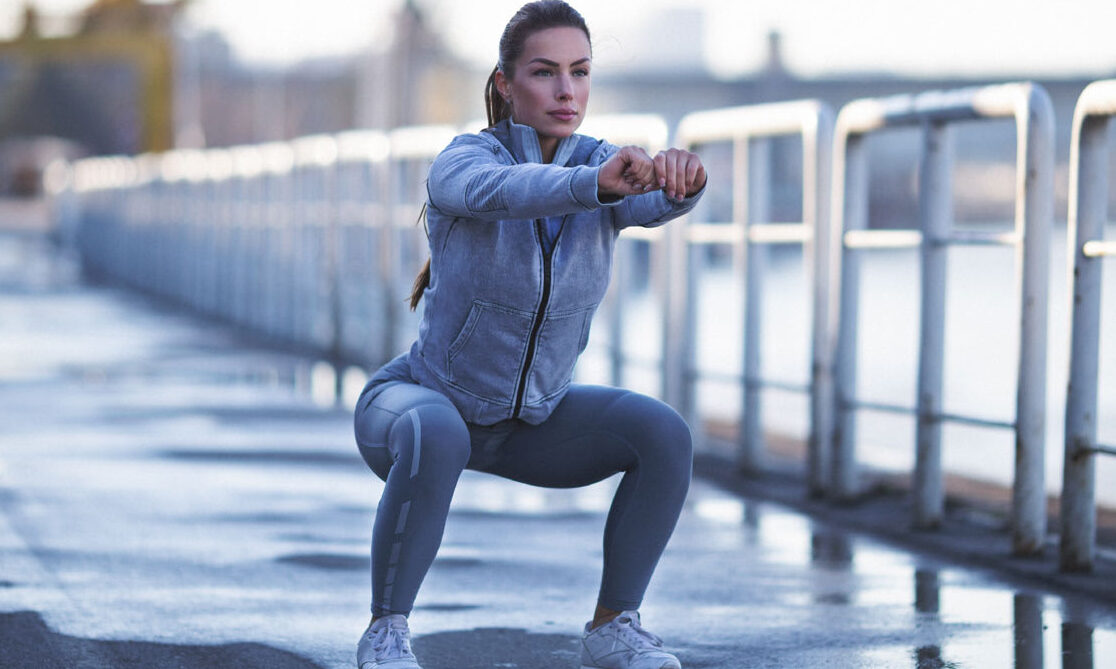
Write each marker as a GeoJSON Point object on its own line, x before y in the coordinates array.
{"type": "Point", "coordinates": [595, 432]}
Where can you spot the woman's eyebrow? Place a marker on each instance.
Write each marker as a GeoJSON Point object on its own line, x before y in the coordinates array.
{"type": "Point", "coordinates": [551, 63]}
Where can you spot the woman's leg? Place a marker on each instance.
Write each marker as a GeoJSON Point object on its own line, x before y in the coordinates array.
{"type": "Point", "coordinates": [595, 432]}
{"type": "Point", "coordinates": [414, 439]}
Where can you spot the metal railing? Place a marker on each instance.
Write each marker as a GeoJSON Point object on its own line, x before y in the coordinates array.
{"type": "Point", "coordinates": [749, 233]}
{"type": "Point", "coordinates": [1088, 204]}
{"type": "Point", "coordinates": [308, 242]}
{"type": "Point", "coordinates": [1029, 105]}
{"type": "Point", "coordinates": [315, 242]}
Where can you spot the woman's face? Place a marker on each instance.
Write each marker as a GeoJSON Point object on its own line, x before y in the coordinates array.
{"type": "Point", "coordinates": [550, 87]}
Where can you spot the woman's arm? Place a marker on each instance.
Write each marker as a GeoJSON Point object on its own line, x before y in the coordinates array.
{"type": "Point", "coordinates": [468, 179]}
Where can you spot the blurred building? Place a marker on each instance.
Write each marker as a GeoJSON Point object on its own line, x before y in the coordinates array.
{"type": "Point", "coordinates": [106, 88]}
{"type": "Point", "coordinates": [415, 79]}
{"type": "Point", "coordinates": [984, 185]}
{"type": "Point", "coordinates": [410, 80]}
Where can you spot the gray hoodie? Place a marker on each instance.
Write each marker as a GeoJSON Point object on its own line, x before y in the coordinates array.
{"type": "Point", "coordinates": [504, 321]}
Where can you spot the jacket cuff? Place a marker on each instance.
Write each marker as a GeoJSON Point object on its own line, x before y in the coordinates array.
{"type": "Point", "coordinates": [583, 187]}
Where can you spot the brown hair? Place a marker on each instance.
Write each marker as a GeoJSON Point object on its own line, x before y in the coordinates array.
{"type": "Point", "coordinates": [530, 19]}
{"type": "Point", "coordinates": [423, 278]}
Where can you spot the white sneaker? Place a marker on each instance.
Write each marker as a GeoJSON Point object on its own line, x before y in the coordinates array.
{"type": "Point", "coordinates": [386, 644]}
{"type": "Point", "coordinates": [623, 644]}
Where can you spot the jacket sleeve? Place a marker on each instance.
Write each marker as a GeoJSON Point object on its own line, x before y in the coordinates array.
{"type": "Point", "coordinates": [652, 209]}
{"type": "Point", "coordinates": [468, 179]}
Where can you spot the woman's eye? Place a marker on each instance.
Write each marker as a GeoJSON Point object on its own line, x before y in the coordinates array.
{"type": "Point", "coordinates": [581, 73]}
{"type": "Point", "coordinates": [542, 73]}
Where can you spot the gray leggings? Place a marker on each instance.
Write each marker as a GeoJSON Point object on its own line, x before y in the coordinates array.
{"type": "Point", "coordinates": [415, 440]}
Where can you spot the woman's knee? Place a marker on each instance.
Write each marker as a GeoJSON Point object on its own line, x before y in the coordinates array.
{"type": "Point", "coordinates": [660, 432]}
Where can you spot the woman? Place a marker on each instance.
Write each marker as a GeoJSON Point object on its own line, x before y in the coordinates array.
{"type": "Point", "coordinates": [522, 220]}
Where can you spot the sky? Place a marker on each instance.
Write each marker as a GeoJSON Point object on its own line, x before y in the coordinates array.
{"type": "Point", "coordinates": [955, 37]}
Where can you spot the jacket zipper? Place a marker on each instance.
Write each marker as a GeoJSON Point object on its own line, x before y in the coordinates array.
{"type": "Point", "coordinates": [536, 325]}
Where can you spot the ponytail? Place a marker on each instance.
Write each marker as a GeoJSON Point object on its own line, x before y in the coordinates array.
{"type": "Point", "coordinates": [422, 281]}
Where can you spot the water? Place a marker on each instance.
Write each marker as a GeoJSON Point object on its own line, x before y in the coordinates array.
{"type": "Point", "coordinates": [982, 343]}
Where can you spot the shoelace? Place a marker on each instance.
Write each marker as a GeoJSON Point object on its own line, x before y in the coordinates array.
{"type": "Point", "coordinates": [632, 632]}
{"type": "Point", "coordinates": [391, 642]}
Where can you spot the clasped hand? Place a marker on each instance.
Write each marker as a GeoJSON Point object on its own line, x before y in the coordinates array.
{"type": "Point", "coordinates": [631, 171]}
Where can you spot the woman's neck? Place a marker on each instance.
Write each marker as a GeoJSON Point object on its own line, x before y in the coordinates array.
{"type": "Point", "coordinates": [549, 147]}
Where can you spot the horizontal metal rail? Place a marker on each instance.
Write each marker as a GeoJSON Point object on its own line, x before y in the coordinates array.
{"type": "Point", "coordinates": [975, 421]}
{"type": "Point", "coordinates": [882, 239]}
{"type": "Point", "coordinates": [906, 410]}
{"type": "Point", "coordinates": [643, 234]}
{"type": "Point", "coordinates": [758, 382]}
{"type": "Point", "coordinates": [779, 233]}
{"type": "Point", "coordinates": [757, 233]}
{"type": "Point", "coordinates": [776, 384]}
{"type": "Point", "coordinates": [1098, 249]}
{"type": "Point", "coordinates": [980, 238]}
{"type": "Point", "coordinates": [883, 407]}
{"type": "Point", "coordinates": [902, 239]}
{"type": "Point", "coordinates": [713, 233]}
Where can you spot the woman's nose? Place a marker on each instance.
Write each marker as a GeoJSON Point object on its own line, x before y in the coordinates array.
{"type": "Point", "coordinates": [565, 89]}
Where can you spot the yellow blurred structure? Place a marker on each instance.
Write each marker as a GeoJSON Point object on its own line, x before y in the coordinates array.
{"type": "Point", "coordinates": [128, 33]}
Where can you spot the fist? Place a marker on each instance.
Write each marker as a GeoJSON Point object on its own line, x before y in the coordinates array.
{"type": "Point", "coordinates": [630, 171]}
{"type": "Point", "coordinates": [679, 173]}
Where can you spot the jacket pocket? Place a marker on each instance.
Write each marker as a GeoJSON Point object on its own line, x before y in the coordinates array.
{"type": "Point", "coordinates": [485, 357]}
{"type": "Point", "coordinates": [562, 338]}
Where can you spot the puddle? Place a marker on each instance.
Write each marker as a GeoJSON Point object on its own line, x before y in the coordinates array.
{"type": "Point", "coordinates": [889, 608]}
{"type": "Point", "coordinates": [328, 561]}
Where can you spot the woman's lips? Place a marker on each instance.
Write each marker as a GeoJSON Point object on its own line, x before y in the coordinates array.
{"type": "Point", "coordinates": [563, 114]}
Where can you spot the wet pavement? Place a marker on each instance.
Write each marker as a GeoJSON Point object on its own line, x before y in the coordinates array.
{"type": "Point", "coordinates": [175, 495]}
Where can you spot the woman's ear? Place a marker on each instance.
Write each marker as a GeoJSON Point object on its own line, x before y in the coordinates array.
{"type": "Point", "coordinates": [502, 85]}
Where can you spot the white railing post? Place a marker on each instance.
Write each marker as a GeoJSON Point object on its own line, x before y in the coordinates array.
{"type": "Point", "coordinates": [675, 293]}
{"type": "Point", "coordinates": [1088, 200]}
{"type": "Point", "coordinates": [935, 203]}
{"type": "Point", "coordinates": [1034, 118]}
{"type": "Point", "coordinates": [755, 201]}
{"type": "Point", "coordinates": [817, 161]}
{"type": "Point", "coordinates": [850, 213]}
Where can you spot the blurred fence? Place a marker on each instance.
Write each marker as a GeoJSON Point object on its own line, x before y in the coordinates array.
{"type": "Point", "coordinates": [315, 242]}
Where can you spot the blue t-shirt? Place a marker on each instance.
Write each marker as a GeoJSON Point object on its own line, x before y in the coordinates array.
{"type": "Point", "coordinates": [552, 225]}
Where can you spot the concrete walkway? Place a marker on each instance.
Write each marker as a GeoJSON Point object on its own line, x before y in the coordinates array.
{"type": "Point", "coordinates": [172, 495]}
